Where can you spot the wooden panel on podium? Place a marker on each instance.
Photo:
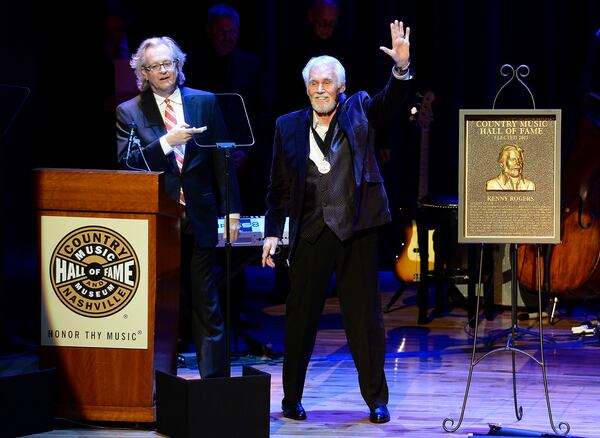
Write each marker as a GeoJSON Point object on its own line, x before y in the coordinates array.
{"type": "Point", "coordinates": [104, 381]}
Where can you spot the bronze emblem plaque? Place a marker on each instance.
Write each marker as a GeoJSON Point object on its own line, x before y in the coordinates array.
{"type": "Point", "coordinates": [509, 176]}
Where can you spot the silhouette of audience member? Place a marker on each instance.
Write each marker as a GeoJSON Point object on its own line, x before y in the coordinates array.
{"type": "Point", "coordinates": [114, 37]}
{"type": "Point", "coordinates": [321, 37]}
{"type": "Point", "coordinates": [118, 83]}
{"type": "Point", "coordinates": [222, 67]}
{"type": "Point", "coordinates": [323, 17]}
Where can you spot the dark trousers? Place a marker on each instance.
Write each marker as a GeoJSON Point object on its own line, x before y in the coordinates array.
{"type": "Point", "coordinates": [355, 265]}
{"type": "Point", "coordinates": [200, 305]}
{"type": "Point", "coordinates": [208, 328]}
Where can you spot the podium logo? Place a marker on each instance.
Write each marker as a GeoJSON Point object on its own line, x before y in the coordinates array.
{"type": "Point", "coordinates": [94, 271]}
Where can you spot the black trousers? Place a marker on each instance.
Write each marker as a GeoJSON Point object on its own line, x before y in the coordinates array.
{"type": "Point", "coordinates": [355, 265]}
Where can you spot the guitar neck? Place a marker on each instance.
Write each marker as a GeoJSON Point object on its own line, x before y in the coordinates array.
{"type": "Point", "coordinates": [423, 164]}
{"type": "Point", "coordinates": [424, 119]}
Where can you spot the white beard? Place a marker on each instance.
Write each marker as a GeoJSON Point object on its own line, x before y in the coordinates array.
{"type": "Point", "coordinates": [323, 107]}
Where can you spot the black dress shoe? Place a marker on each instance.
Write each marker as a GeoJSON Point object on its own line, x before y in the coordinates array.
{"type": "Point", "coordinates": [380, 414]}
{"type": "Point", "coordinates": [295, 412]}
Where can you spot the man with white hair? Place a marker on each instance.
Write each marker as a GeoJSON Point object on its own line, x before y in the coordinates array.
{"type": "Point", "coordinates": [324, 175]}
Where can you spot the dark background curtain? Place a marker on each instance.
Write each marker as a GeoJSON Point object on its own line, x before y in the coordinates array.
{"type": "Point", "coordinates": [457, 50]}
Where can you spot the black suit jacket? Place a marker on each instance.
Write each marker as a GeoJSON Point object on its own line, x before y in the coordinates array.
{"type": "Point", "coordinates": [203, 175]}
{"type": "Point", "coordinates": [359, 116]}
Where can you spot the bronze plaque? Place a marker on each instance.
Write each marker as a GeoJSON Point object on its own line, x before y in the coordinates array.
{"type": "Point", "coordinates": [509, 176]}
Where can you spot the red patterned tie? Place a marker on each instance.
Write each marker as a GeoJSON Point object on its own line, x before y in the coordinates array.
{"type": "Point", "coordinates": [170, 123]}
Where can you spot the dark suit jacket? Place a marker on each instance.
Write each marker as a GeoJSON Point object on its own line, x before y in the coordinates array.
{"type": "Point", "coordinates": [359, 116]}
{"type": "Point", "coordinates": [203, 174]}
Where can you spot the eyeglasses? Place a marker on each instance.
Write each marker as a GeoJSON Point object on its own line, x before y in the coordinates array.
{"type": "Point", "coordinates": [167, 65]}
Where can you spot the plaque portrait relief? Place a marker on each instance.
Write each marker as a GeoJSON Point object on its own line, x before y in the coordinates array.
{"type": "Point", "coordinates": [511, 176]}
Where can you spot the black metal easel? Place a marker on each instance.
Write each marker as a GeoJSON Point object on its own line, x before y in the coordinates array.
{"type": "Point", "coordinates": [450, 425]}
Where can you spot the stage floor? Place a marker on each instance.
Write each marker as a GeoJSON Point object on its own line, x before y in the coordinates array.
{"type": "Point", "coordinates": [427, 368]}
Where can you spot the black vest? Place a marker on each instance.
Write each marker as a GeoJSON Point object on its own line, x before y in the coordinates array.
{"type": "Point", "coordinates": [329, 197]}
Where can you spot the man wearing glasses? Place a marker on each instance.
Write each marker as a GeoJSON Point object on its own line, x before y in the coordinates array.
{"type": "Point", "coordinates": [160, 130]}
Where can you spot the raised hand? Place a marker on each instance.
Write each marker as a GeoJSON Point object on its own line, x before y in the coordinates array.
{"type": "Point", "coordinates": [400, 51]}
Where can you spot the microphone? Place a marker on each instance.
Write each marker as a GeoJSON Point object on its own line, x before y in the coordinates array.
{"type": "Point", "coordinates": [132, 128]}
{"type": "Point", "coordinates": [132, 140]}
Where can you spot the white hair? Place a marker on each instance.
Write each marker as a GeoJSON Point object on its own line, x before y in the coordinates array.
{"type": "Point", "coordinates": [340, 72]}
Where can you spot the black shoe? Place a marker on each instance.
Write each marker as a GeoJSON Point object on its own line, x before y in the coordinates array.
{"type": "Point", "coordinates": [295, 412]}
{"type": "Point", "coordinates": [380, 414]}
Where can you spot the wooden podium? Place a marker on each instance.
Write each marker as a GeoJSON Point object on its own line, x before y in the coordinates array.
{"type": "Point", "coordinates": [95, 382]}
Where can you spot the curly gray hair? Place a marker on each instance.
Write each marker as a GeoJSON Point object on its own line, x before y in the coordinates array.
{"type": "Point", "coordinates": [138, 60]}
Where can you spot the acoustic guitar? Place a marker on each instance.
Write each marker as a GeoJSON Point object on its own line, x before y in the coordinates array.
{"type": "Point", "coordinates": [407, 267]}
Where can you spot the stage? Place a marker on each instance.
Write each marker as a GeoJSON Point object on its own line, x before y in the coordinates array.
{"type": "Point", "coordinates": [427, 368]}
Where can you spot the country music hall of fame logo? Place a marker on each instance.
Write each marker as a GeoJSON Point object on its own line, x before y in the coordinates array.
{"type": "Point", "coordinates": [94, 271]}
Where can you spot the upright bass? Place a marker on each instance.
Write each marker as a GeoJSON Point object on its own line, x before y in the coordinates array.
{"type": "Point", "coordinates": [572, 267]}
